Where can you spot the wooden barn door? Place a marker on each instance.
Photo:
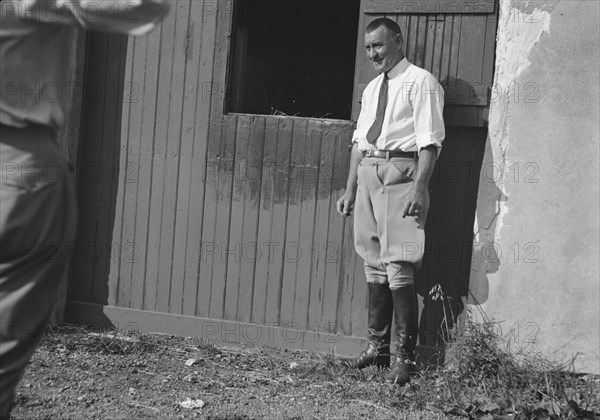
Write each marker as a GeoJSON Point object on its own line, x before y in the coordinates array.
{"type": "Point", "coordinates": [455, 41]}
{"type": "Point", "coordinates": [273, 242]}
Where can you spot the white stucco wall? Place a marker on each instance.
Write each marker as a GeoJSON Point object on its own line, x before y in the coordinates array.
{"type": "Point", "coordinates": [537, 243]}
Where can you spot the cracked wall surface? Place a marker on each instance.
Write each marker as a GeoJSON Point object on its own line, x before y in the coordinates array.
{"type": "Point", "coordinates": [536, 253]}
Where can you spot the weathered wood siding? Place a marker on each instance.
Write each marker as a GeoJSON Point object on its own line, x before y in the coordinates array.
{"type": "Point", "coordinates": [186, 210]}
{"type": "Point", "coordinates": [189, 214]}
{"type": "Point", "coordinates": [141, 191]}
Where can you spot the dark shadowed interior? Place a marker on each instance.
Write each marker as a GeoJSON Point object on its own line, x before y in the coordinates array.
{"type": "Point", "coordinates": [293, 57]}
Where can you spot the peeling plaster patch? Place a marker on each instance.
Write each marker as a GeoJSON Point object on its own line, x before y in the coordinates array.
{"type": "Point", "coordinates": [518, 33]}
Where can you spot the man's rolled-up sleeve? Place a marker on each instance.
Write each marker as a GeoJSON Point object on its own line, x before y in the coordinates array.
{"type": "Point", "coordinates": [428, 108]}
{"type": "Point", "coordinates": [131, 17]}
{"type": "Point", "coordinates": [359, 132]}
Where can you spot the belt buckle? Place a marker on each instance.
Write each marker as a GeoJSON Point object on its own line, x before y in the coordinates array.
{"type": "Point", "coordinates": [369, 151]}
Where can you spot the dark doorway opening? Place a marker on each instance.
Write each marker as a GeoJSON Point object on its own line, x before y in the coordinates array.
{"type": "Point", "coordinates": [293, 57]}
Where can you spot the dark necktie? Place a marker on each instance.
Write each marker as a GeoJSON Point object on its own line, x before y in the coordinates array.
{"type": "Point", "coordinates": [375, 130]}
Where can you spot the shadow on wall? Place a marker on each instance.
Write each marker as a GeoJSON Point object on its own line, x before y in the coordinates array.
{"type": "Point", "coordinates": [98, 172]}
{"type": "Point", "coordinates": [452, 251]}
{"type": "Point", "coordinates": [486, 252]}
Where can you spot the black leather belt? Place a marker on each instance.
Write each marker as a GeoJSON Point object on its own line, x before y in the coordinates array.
{"type": "Point", "coordinates": [386, 154]}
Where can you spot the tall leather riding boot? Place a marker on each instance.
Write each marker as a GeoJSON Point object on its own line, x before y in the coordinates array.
{"type": "Point", "coordinates": [380, 327]}
{"type": "Point", "coordinates": [407, 326]}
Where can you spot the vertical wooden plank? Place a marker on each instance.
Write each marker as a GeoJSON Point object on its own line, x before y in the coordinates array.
{"type": "Point", "coordinates": [173, 284]}
{"type": "Point", "coordinates": [452, 40]}
{"type": "Point", "coordinates": [471, 52]}
{"type": "Point", "coordinates": [244, 217]}
{"type": "Point", "coordinates": [437, 27]}
{"type": "Point", "coordinates": [307, 244]}
{"type": "Point", "coordinates": [265, 252]}
{"type": "Point", "coordinates": [217, 216]}
{"type": "Point", "coordinates": [446, 49]}
{"type": "Point", "coordinates": [250, 248]}
{"type": "Point", "coordinates": [422, 41]}
{"type": "Point", "coordinates": [219, 172]}
{"type": "Point", "coordinates": [352, 299]}
{"type": "Point", "coordinates": [183, 240]}
{"type": "Point", "coordinates": [210, 211]}
{"type": "Point", "coordinates": [234, 245]}
{"type": "Point", "coordinates": [128, 177]}
{"type": "Point", "coordinates": [279, 221]}
{"type": "Point", "coordinates": [169, 132]}
{"type": "Point", "coordinates": [456, 45]}
{"type": "Point", "coordinates": [293, 252]}
{"type": "Point", "coordinates": [429, 48]}
{"type": "Point", "coordinates": [347, 263]}
{"type": "Point", "coordinates": [148, 90]}
{"type": "Point", "coordinates": [348, 253]}
{"type": "Point", "coordinates": [157, 288]}
{"type": "Point", "coordinates": [321, 250]}
{"type": "Point", "coordinates": [333, 279]}
{"type": "Point", "coordinates": [402, 21]}
{"type": "Point", "coordinates": [411, 38]}
{"type": "Point", "coordinates": [197, 112]}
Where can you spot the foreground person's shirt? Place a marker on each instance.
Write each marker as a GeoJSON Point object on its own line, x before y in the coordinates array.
{"type": "Point", "coordinates": [34, 55]}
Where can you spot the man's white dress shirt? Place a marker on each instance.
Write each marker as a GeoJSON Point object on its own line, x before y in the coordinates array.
{"type": "Point", "coordinates": [413, 114]}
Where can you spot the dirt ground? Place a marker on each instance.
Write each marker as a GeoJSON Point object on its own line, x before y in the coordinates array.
{"type": "Point", "coordinates": [82, 374]}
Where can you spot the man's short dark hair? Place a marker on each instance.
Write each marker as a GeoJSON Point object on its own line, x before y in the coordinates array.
{"type": "Point", "coordinates": [386, 22]}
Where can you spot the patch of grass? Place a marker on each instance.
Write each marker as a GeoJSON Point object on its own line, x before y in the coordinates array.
{"type": "Point", "coordinates": [485, 378]}
{"type": "Point", "coordinates": [119, 342]}
{"type": "Point", "coordinates": [87, 373]}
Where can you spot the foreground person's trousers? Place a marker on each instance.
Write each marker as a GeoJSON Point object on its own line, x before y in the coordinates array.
{"type": "Point", "coordinates": [37, 224]}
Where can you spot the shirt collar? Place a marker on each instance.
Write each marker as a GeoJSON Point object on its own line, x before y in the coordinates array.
{"type": "Point", "coordinates": [398, 69]}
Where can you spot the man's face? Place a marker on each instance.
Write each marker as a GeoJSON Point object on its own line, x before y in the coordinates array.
{"type": "Point", "coordinates": [383, 49]}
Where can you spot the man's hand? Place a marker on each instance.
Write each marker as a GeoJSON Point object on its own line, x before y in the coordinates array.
{"type": "Point", "coordinates": [415, 203]}
{"type": "Point", "coordinates": [345, 203]}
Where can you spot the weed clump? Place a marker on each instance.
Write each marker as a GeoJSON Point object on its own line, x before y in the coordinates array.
{"type": "Point", "coordinates": [484, 377]}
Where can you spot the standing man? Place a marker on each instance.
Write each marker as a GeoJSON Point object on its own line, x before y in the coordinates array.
{"type": "Point", "coordinates": [395, 146]}
{"type": "Point", "coordinates": [37, 205]}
